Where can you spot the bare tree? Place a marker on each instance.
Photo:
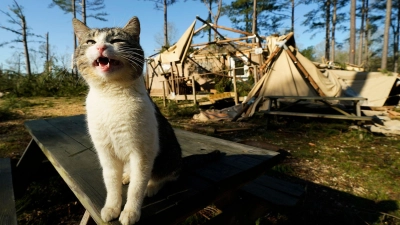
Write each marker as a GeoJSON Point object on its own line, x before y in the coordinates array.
{"type": "Point", "coordinates": [18, 20]}
{"type": "Point", "coordinates": [361, 35]}
{"type": "Point", "coordinates": [172, 35]}
{"type": "Point", "coordinates": [327, 28]}
{"type": "Point", "coordinates": [82, 7]}
{"type": "Point", "coordinates": [386, 35]}
{"type": "Point", "coordinates": [327, 19]}
{"type": "Point", "coordinates": [396, 33]}
{"type": "Point", "coordinates": [163, 4]}
{"type": "Point", "coordinates": [352, 49]}
{"type": "Point", "coordinates": [215, 15]}
{"type": "Point", "coordinates": [334, 19]}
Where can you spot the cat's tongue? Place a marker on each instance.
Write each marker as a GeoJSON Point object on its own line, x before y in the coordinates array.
{"type": "Point", "coordinates": [105, 63]}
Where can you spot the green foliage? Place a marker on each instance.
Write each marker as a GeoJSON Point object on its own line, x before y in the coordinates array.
{"type": "Point", "coordinates": [91, 5]}
{"type": "Point", "coordinates": [9, 104]}
{"type": "Point", "coordinates": [269, 15]}
{"type": "Point", "coordinates": [59, 82]}
{"type": "Point", "coordinates": [174, 109]}
{"type": "Point", "coordinates": [309, 53]}
{"type": "Point", "coordinates": [222, 84]}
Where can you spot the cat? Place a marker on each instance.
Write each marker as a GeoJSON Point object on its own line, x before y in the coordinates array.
{"type": "Point", "coordinates": [135, 143]}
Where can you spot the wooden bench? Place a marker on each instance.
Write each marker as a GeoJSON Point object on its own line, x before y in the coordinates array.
{"type": "Point", "coordinates": [66, 144]}
{"type": "Point", "coordinates": [356, 115]}
{"type": "Point", "coordinates": [7, 203]}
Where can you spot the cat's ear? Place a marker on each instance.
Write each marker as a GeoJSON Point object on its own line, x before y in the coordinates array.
{"type": "Point", "coordinates": [80, 29]}
{"type": "Point", "coordinates": [133, 27]}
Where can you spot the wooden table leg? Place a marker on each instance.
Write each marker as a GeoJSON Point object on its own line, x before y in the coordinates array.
{"type": "Point", "coordinates": [357, 107]}
{"type": "Point", "coordinates": [87, 219]}
{"type": "Point", "coordinates": [29, 166]}
{"type": "Point", "coordinates": [31, 156]}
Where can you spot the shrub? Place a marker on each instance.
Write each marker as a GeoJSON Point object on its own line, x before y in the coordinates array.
{"type": "Point", "coordinates": [59, 82]}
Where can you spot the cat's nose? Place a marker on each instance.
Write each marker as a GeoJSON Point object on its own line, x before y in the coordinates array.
{"type": "Point", "coordinates": [101, 48]}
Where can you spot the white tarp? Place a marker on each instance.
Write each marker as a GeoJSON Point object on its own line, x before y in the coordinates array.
{"type": "Point", "coordinates": [375, 86]}
{"type": "Point", "coordinates": [284, 79]}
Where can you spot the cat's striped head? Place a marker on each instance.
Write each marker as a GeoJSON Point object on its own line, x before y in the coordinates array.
{"type": "Point", "coordinates": [109, 54]}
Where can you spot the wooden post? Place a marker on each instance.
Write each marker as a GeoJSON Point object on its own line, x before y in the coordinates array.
{"type": "Point", "coordinates": [255, 74]}
{"type": "Point", "coordinates": [194, 91]}
{"type": "Point", "coordinates": [163, 89]}
{"type": "Point", "coordinates": [234, 88]}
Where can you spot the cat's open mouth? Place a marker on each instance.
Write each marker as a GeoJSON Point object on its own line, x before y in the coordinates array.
{"type": "Point", "coordinates": [105, 63]}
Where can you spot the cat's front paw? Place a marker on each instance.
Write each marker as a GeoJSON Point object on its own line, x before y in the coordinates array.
{"type": "Point", "coordinates": [125, 178]}
{"type": "Point", "coordinates": [152, 189]}
{"type": "Point", "coordinates": [129, 217]}
{"type": "Point", "coordinates": [108, 214]}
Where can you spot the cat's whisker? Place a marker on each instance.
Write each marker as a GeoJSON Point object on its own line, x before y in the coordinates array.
{"type": "Point", "coordinates": [133, 63]}
{"type": "Point", "coordinates": [133, 53]}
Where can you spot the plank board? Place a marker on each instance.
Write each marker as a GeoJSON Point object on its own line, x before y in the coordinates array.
{"type": "Point", "coordinates": [316, 115]}
{"type": "Point", "coordinates": [7, 206]}
{"type": "Point", "coordinates": [66, 144]}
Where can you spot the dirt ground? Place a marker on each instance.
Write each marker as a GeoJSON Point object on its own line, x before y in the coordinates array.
{"type": "Point", "coordinates": [349, 176]}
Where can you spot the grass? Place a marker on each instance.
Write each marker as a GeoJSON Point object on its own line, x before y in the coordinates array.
{"type": "Point", "coordinates": [348, 173]}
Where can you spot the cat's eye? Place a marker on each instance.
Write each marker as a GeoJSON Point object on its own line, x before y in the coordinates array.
{"type": "Point", "coordinates": [90, 42]}
{"type": "Point", "coordinates": [116, 41]}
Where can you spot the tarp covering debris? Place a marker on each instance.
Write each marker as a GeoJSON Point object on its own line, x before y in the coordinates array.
{"type": "Point", "coordinates": [283, 78]}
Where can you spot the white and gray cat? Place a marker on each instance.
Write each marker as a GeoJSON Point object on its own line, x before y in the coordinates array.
{"type": "Point", "coordinates": [134, 141]}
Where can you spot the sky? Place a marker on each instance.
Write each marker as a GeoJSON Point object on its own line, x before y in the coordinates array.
{"type": "Point", "coordinates": [42, 19]}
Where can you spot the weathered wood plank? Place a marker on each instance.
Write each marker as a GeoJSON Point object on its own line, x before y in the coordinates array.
{"type": "Point", "coordinates": [318, 98]}
{"type": "Point", "coordinates": [75, 163]}
{"type": "Point", "coordinates": [329, 116]}
{"type": "Point", "coordinates": [73, 126]}
{"type": "Point", "coordinates": [7, 206]}
{"type": "Point", "coordinates": [66, 144]}
{"type": "Point", "coordinates": [193, 143]}
{"type": "Point", "coordinates": [52, 137]}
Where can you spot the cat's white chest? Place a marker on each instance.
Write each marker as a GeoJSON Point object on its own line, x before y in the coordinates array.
{"type": "Point", "coordinates": [121, 123]}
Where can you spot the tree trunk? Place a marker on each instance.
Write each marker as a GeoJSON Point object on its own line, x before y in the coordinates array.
{"type": "Point", "coordinates": [292, 19]}
{"type": "Point", "coordinates": [247, 19]}
{"type": "Point", "coordinates": [84, 11]}
{"type": "Point", "coordinates": [396, 40]}
{"type": "Point", "coordinates": [74, 14]}
{"type": "Point", "coordinates": [166, 44]}
{"type": "Point", "coordinates": [367, 37]}
{"type": "Point", "coordinates": [209, 20]}
{"type": "Point", "coordinates": [216, 17]}
{"type": "Point", "coordinates": [47, 64]}
{"type": "Point", "coordinates": [386, 35]}
{"type": "Point", "coordinates": [333, 31]}
{"type": "Point", "coordinates": [360, 48]}
{"type": "Point", "coordinates": [327, 28]}
{"type": "Point", "coordinates": [254, 28]}
{"type": "Point", "coordinates": [352, 50]}
{"type": "Point", "coordinates": [26, 51]}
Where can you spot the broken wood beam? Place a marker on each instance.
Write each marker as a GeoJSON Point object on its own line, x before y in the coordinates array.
{"type": "Point", "coordinates": [233, 46]}
{"type": "Point", "coordinates": [274, 53]}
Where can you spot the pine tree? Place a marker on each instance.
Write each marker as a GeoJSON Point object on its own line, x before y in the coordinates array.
{"type": "Point", "coordinates": [17, 18]}
{"type": "Point", "coordinates": [269, 15]}
{"type": "Point", "coordinates": [327, 19]}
